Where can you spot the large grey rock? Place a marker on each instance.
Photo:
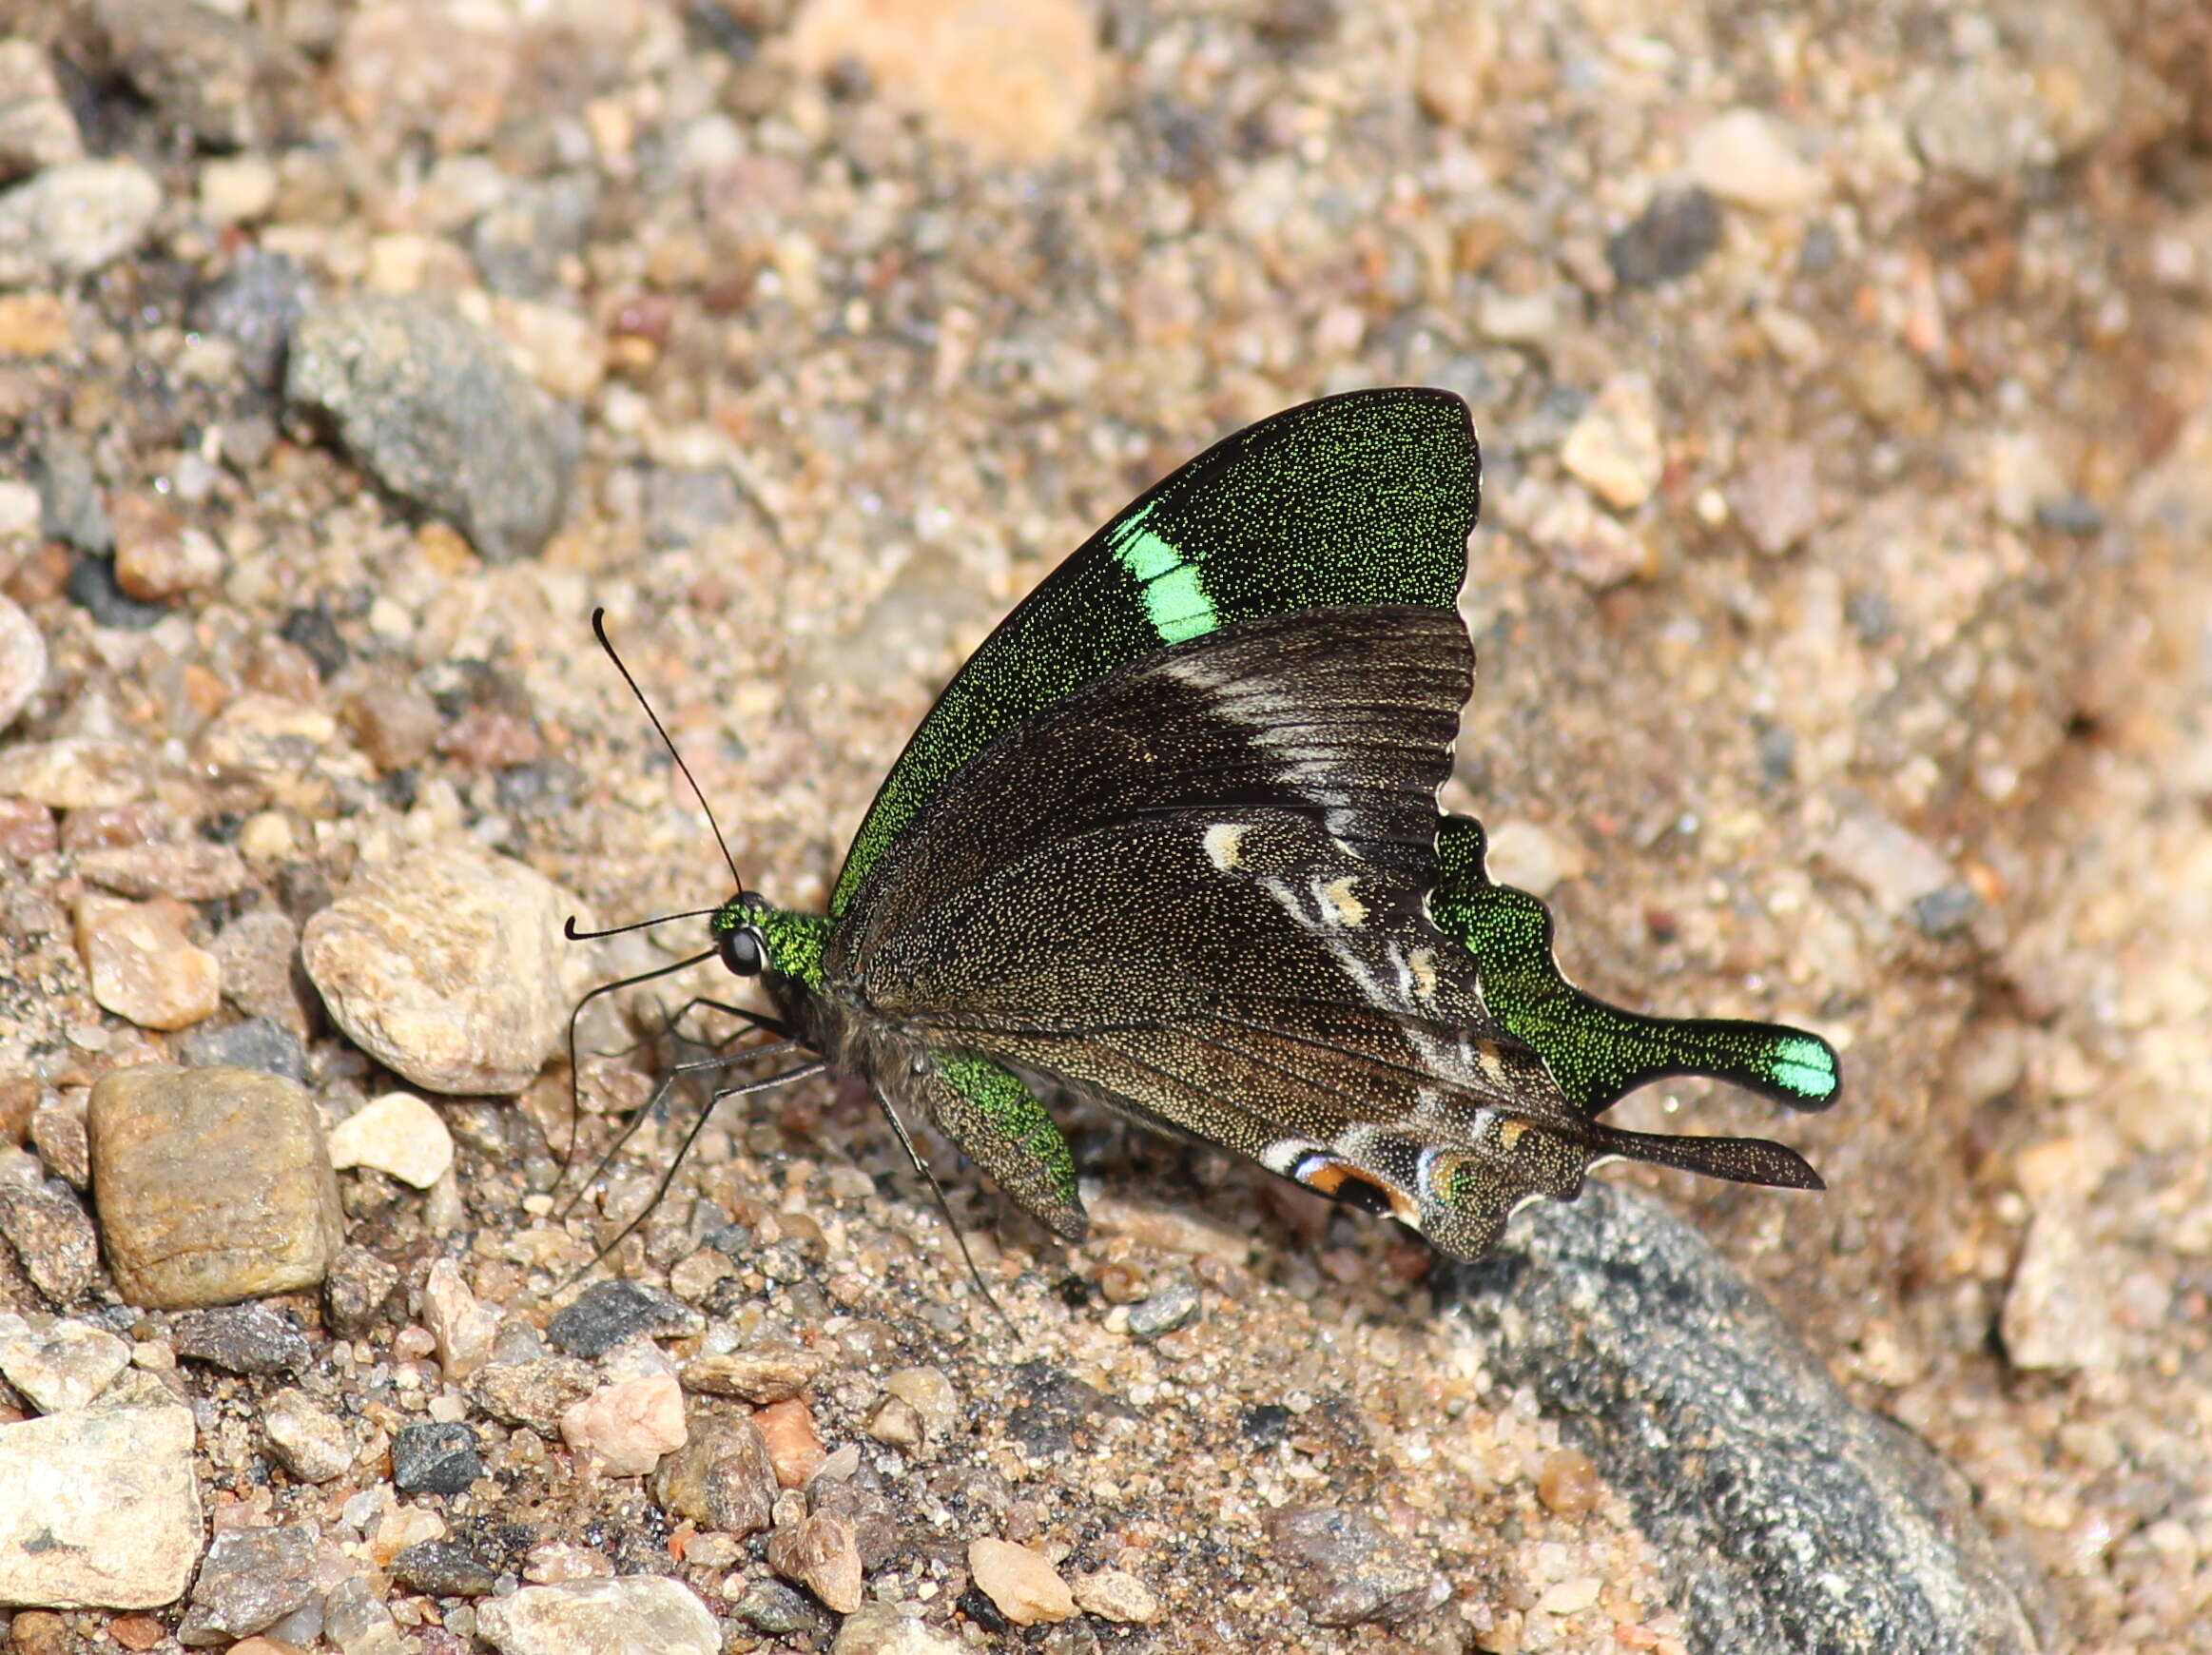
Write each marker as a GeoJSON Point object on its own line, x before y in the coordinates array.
{"type": "Point", "coordinates": [434, 407]}
{"type": "Point", "coordinates": [1786, 1518]}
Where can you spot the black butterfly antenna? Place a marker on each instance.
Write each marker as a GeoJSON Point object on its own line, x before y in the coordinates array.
{"type": "Point", "coordinates": [599, 631]}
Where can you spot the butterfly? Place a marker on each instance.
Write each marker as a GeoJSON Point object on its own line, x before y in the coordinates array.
{"type": "Point", "coordinates": [1171, 840]}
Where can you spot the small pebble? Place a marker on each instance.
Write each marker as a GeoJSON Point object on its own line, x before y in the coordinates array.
{"type": "Point", "coordinates": [930, 1393]}
{"type": "Point", "coordinates": [1675, 234]}
{"type": "Point", "coordinates": [73, 773]}
{"type": "Point", "coordinates": [53, 1239]}
{"type": "Point", "coordinates": [2058, 1313]}
{"type": "Point", "coordinates": [1896, 865]}
{"type": "Point", "coordinates": [821, 1554]}
{"type": "Point", "coordinates": [435, 1459]}
{"type": "Point", "coordinates": [251, 1579]}
{"type": "Point", "coordinates": [769, 1605]}
{"type": "Point", "coordinates": [1346, 1568]}
{"type": "Point", "coordinates": [27, 829]}
{"type": "Point", "coordinates": [1614, 447]}
{"type": "Point", "coordinates": [445, 1568]}
{"type": "Point", "coordinates": [625, 1427]}
{"type": "Point", "coordinates": [256, 1044]}
{"type": "Point", "coordinates": [1744, 158]}
{"type": "Point", "coordinates": [795, 1446]}
{"type": "Point", "coordinates": [308, 1440]}
{"type": "Point", "coordinates": [73, 218]}
{"type": "Point", "coordinates": [1570, 1597]}
{"type": "Point", "coordinates": [36, 128]}
{"type": "Point", "coordinates": [63, 1366]}
{"type": "Point", "coordinates": [57, 1132]}
{"type": "Point", "coordinates": [397, 1133]}
{"type": "Point", "coordinates": [193, 873]}
{"type": "Point", "coordinates": [885, 1629]}
{"type": "Point", "coordinates": [260, 954]}
{"type": "Point", "coordinates": [357, 1292]}
{"type": "Point", "coordinates": [446, 968]}
{"type": "Point", "coordinates": [1529, 857]}
{"type": "Point", "coordinates": [141, 966]}
{"type": "Point", "coordinates": [157, 557]}
{"type": "Point", "coordinates": [463, 1326]}
{"type": "Point", "coordinates": [608, 1313]}
{"type": "Point", "coordinates": [1174, 1305]}
{"type": "Point", "coordinates": [634, 1613]}
{"type": "Point", "coordinates": [1022, 1584]}
{"type": "Point", "coordinates": [897, 1424]}
{"type": "Point", "coordinates": [98, 1507]}
{"type": "Point", "coordinates": [762, 1374]}
{"type": "Point", "coordinates": [1019, 88]}
{"type": "Point", "coordinates": [535, 1393]}
{"type": "Point", "coordinates": [1114, 1594]}
{"type": "Point", "coordinates": [1569, 1485]}
{"type": "Point", "coordinates": [246, 1338]}
{"type": "Point", "coordinates": [137, 1632]}
{"type": "Point", "coordinates": [23, 660]}
{"type": "Point", "coordinates": [719, 1478]}
{"type": "Point", "coordinates": [212, 1185]}
{"type": "Point", "coordinates": [1777, 497]}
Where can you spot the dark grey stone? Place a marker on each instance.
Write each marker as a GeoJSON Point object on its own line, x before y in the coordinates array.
{"type": "Point", "coordinates": [1175, 1304]}
{"type": "Point", "coordinates": [92, 588]}
{"type": "Point", "coordinates": [609, 1313]}
{"type": "Point", "coordinates": [1941, 912]}
{"type": "Point", "coordinates": [251, 1579]}
{"type": "Point", "coordinates": [435, 1459]}
{"type": "Point", "coordinates": [1785, 1518]}
{"type": "Point", "coordinates": [1346, 1568]}
{"type": "Point", "coordinates": [1676, 233]}
{"type": "Point", "coordinates": [445, 1568]}
{"type": "Point", "coordinates": [244, 1338]}
{"type": "Point", "coordinates": [771, 1607]}
{"type": "Point", "coordinates": [255, 306]}
{"type": "Point", "coordinates": [256, 1044]}
{"type": "Point", "coordinates": [436, 411]}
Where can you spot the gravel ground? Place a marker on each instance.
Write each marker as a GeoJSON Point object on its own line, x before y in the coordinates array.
{"type": "Point", "coordinates": [1845, 619]}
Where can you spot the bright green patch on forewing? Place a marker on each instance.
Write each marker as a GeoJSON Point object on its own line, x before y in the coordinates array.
{"type": "Point", "coordinates": [1597, 1052]}
{"type": "Point", "coordinates": [1172, 586]}
{"type": "Point", "coordinates": [1364, 498]}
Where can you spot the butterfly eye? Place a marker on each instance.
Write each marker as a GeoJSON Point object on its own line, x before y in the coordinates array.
{"type": "Point", "coordinates": [742, 952]}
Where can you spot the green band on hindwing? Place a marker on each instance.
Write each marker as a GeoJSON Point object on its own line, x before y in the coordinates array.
{"type": "Point", "coordinates": [1599, 1052]}
{"type": "Point", "coordinates": [997, 1121]}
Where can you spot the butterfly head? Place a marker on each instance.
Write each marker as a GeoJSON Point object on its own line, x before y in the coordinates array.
{"type": "Point", "coordinates": [752, 937]}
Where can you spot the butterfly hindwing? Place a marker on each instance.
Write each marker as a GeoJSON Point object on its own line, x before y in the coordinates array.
{"type": "Point", "coordinates": [1598, 1052]}
{"type": "Point", "coordinates": [1196, 888]}
{"type": "Point", "coordinates": [1357, 500]}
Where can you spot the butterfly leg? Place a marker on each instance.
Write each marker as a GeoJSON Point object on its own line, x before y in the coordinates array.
{"type": "Point", "coordinates": [997, 1121]}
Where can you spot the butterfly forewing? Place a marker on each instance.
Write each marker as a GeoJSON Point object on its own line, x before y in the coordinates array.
{"type": "Point", "coordinates": [1352, 500]}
